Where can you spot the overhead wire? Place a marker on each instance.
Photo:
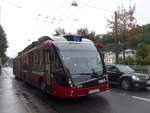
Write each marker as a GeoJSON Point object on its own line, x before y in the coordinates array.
{"type": "Point", "coordinates": [59, 18]}
{"type": "Point", "coordinates": [86, 4]}
{"type": "Point", "coordinates": [75, 11]}
{"type": "Point", "coordinates": [54, 24]}
{"type": "Point", "coordinates": [53, 13]}
{"type": "Point", "coordinates": [48, 4]}
{"type": "Point", "coordinates": [39, 15]}
{"type": "Point", "coordinates": [99, 8]}
{"type": "Point", "coordinates": [11, 3]}
{"type": "Point", "coordinates": [36, 19]}
{"type": "Point", "coordinates": [58, 8]}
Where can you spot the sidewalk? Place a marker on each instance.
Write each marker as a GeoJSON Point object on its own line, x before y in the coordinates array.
{"type": "Point", "coordinates": [9, 100]}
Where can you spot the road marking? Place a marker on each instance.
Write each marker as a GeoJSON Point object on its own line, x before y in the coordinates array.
{"type": "Point", "coordinates": [7, 74]}
{"type": "Point", "coordinates": [140, 98]}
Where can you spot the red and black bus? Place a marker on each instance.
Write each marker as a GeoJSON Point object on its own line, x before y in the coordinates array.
{"type": "Point", "coordinates": [63, 66]}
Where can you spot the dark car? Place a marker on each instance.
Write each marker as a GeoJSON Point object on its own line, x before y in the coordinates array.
{"type": "Point", "coordinates": [126, 77]}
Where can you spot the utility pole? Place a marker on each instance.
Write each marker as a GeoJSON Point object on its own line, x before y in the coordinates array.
{"type": "Point", "coordinates": [116, 35]}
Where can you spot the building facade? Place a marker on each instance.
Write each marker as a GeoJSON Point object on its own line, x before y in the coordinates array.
{"type": "Point", "coordinates": [109, 57]}
{"type": "Point", "coordinates": [128, 53]}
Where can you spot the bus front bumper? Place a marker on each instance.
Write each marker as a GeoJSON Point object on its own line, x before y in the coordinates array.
{"type": "Point", "coordinates": [79, 92]}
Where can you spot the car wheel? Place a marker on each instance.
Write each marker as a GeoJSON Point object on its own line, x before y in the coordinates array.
{"type": "Point", "coordinates": [125, 84]}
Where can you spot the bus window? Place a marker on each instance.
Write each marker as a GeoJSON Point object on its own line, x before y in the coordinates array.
{"type": "Point", "coordinates": [82, 62]}
{"type": "Point", "coordinates": [57, 68]}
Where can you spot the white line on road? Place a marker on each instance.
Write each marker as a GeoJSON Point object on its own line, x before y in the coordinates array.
{"type": "Point", "coordinates": [7, 74]}
{"type": "Point", "coordinates": [140, 98]}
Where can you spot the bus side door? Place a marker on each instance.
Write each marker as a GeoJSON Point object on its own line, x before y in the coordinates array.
{"type": "Point", "coordinates": [47, 67]}
{"type": "Point", "coordinates": [30, 68]}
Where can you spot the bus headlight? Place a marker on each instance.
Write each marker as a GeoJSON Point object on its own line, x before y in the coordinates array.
{"type": "Point", "coordinates": [102, 81]}
{"type": "Point", "coordinates": [70, 83]}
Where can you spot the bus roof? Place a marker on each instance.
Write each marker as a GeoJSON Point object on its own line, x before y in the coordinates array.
{"type": "Point", "coordinates": [62, 42]}
{"type": "Point", "coordinates": [74, 45]}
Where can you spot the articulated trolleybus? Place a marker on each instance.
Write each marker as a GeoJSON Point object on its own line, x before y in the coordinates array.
{"type": "Point", "coordinates": [63, 66]}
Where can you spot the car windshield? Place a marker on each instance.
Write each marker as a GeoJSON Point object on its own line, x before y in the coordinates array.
{"type": "Point", "coordinates": [81, 64]}
{"type": "Point", "coordinates": [125, 69]}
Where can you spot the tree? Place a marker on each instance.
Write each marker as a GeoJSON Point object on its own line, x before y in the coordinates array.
{"type": "Point", "coordinates": [145, 37]}
{"type": "Point", "coordinates": [59, 31]}
{"type": "Point", "coordinates": [148, 48]}
{"type": "Point", "coordinates": [129, 60]}
{"type": "Point", "coordinates": [3, 42]}
{"type": "Point", "coordinates": [84, 32]}
{"type": "Point", "coordinates": [143, 53]}
{"type": "Point", "coordinates": [146, 31]}
{"type": "Point", "coordinates": [90, 35]}
{"type": "Point", "coordinates": [124, 27]}
{"type": "Point", "coordinates": [147, 60]}
{"type": "Point", "coordinates": [142, 50]}
{"type": "Point", "coordinates": [139, 60]}
{"type": "Point", "coordinates": [5, 58]}
{"type": "Point", "coordinates": [120, 61]}
{"type": "Point", "coordinates": [109, 42]}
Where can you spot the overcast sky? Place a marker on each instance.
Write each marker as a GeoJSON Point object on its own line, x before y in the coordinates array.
{"type": "Point", "coordinates": [25, 21]}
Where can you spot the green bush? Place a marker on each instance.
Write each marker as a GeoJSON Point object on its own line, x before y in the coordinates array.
{"type": "Point", "coordinates": [120, 61]}
{"type": "Point", "coordinates": [139, 60]}
{"type": "Point", "coordinates": [129, 60]}
{"type": "Point", "coordinates": [147, 60]}
{"type": "Point", "coordinates": [143, 54]}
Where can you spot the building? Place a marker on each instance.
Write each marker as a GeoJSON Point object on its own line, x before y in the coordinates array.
{"type": "Point", "coordinates": [109, 57]}
{"type": "Point", "coordinates": [128, 52]}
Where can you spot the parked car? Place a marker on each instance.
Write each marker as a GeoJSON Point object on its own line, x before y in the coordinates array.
{"type": "Point", "coordinates": [126, 77]}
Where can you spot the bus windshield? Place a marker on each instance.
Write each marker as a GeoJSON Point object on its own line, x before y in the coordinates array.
{"type": "Point", "coordinates": [82, 63]}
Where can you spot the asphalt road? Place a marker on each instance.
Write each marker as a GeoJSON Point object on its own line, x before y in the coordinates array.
{"type": "Point", "coordinates": [18, 97]}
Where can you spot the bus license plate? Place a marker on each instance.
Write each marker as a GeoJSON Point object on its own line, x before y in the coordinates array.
{"type": "Point", "coordinates": [93, 91]}
{"type": "Point", "coordinates": [148, 82]}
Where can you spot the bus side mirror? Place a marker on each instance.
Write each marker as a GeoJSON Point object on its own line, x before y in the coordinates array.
{"type": "Point", "coordinates": [100, 46]}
